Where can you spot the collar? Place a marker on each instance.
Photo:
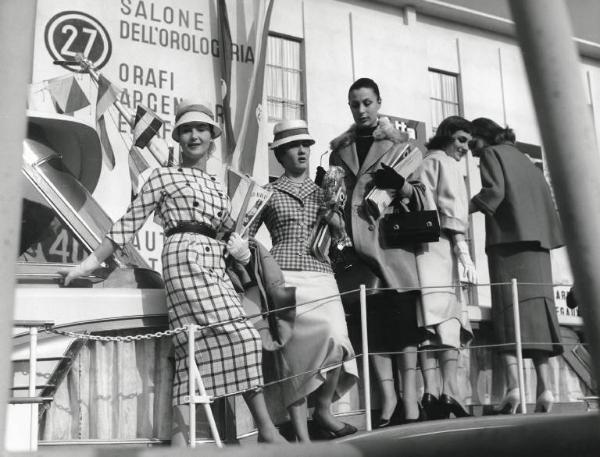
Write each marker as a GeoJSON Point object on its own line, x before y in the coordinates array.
{"type": "Point", "coordinates": [285, 184]}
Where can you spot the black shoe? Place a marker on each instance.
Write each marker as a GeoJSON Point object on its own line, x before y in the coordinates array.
{"type": "Point", "coordinates": [326, 433]}
{"type": "Point", "coordinates": [452, 406]}
{"type": "Point", "coordinates": [432, 407]}
{"type": "Point", "coordinates": [422, 417]}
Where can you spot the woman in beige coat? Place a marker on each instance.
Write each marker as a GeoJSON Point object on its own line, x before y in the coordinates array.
{"type": "Point", "coordinates": [441, 266]}
{"type": "Point", "coordinates": [363, 152]}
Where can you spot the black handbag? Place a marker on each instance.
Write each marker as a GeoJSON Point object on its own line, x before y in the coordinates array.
{"type": "Point", "coordinates": [404, 227]}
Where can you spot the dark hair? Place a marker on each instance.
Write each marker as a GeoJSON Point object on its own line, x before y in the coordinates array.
{"type": "Point", "coordinates": [491, 132]}
{"type": "Point", "coordinates": [367, 83]}
{"type": "Point", "coordinates": [443, 135]}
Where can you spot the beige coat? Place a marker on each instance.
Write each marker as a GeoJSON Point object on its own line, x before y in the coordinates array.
{"type": "Point", "coordinates": [397, 267]}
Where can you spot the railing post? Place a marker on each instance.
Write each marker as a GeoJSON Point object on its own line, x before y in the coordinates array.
{"type": "Point", "coordinates": [365, 358]}
{"type": "Point", "coordinates": [192, 384]}
{"type": "Point", "coordinates": [519, 344]}
{"type": "Point", "coordinates": [33, 411]}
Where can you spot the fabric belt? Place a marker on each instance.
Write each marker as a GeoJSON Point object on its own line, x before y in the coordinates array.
{"type": "Point", "coordinates": [192, 227]}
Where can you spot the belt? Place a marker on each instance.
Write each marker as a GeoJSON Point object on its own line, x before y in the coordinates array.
{"type": "Point", "coordinates": [192, 227]}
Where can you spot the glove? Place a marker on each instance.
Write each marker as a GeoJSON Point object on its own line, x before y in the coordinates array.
{"type": "Point", "coordinates": [469, 271]}
{"type": "Point", "coordinates": [238, 248]}
{"type": "Point", "coordinates": [388, 178]}
{"type": "Point", "coordinates": [320, 175]}
{"type": "Point", "coordinates": [334, 220]}
{"type": "Point", "coordinates": [85, 268]}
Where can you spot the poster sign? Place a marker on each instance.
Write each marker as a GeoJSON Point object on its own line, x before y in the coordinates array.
{"type": "Point", "coordinates": [156, 53]}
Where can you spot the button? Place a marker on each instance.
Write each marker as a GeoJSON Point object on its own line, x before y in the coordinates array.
{"type": "Point", "coordinates": [220, 194]}
{"type": "Point", "coordinates": [371, 228]}
{"type": "Point", "coordinates": [195, 203]}
{"type": "Point", "coordinates": [212, 178]}
{"type": "Point", "coordinates": [220, 213]}
{"type": "Point", "coordinates": [180, 169]}
{"type": "Point", "coordinates": [188, 184]}
{"type": "Point", "coordinates": [207, 249]}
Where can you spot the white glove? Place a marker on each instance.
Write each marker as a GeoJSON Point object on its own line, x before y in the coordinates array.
{"type": "Point", "coordinates": [464, 259]}
{"type": "Point", "coordinates": [238, 248]}
{"type": "Point", "coordinates": [85, 268]}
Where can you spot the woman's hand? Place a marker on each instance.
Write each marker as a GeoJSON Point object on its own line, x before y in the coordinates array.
{"type": "Point", "coordinates": [464, 259]}
{"type": "Point", "coordinates": [238, 248]}
{"type": "Point", "coordinates": [468, 268]}
{"type": "Point", "coordinates": [388, 178]}
{"type": "Point", "coordinates": [85, 268]}
{"type": "Point", "coordinates": [334, 220]}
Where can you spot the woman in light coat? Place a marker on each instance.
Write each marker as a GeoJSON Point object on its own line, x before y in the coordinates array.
{"type": "Point", "coordinates": [441, 312]}
{"type": "Point", "coordinates": [363, 152]}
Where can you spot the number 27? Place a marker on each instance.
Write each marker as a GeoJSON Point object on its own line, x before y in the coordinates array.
{"type": "Point", "coordinates": [73, 32]}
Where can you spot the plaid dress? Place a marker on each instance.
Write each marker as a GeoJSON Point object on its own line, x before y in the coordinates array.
{"type": "Point", "coordinates": [199, 290]}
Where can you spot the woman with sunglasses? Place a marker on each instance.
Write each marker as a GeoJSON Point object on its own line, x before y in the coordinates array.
{"type": "Point", "coordinates": [442, 312]}
{"type": "Point", "coordinates": [522, 226]}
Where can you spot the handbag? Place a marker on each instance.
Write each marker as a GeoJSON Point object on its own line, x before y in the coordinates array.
{"type": "Point", "coordinates": [350, 272]}
{"type": "Point", "coordinates": [403, 227]}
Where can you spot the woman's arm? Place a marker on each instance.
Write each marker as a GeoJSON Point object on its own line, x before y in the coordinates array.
{"type": "Point", "coordinates": [492, 184]}
{"type": "Point", "coordinates": [91, 262]}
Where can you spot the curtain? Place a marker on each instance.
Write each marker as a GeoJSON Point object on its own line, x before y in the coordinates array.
{"type": "Point", "coordinates": [114, 391]}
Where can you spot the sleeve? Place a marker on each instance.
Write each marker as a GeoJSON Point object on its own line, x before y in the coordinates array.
{"type": "Point", "coordinates": [451, 198]}
{"type": "Point", "coordinates": [138, 211]}
{"type": "Point", "coordinates": [492, 183]}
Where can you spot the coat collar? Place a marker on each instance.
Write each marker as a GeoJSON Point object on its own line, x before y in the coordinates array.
{"type": "Point", "coordinates": [385, 137]}
{"type": "Point", "coordinates": [284, 184]}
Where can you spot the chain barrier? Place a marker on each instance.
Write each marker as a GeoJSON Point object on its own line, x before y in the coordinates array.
{"type": "Point", "coordinates": [175, 331]}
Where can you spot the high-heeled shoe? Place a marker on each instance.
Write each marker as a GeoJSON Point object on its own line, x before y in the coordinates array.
{"type": "Point", "coordinates": [450, 405]}
{"type": "Point", "coordinates": [509, 403]}
{"type": "Point", "coordinates": [544, 402]}
{"type": "Point", "coordinates": [422, 417]}
{"type": "Point", "coordinates": [325, 433]}
{"type": "Point", "coordinates": [432, 407]}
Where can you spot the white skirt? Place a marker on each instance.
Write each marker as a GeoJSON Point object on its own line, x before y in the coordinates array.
{"type": "Point", "coordinates": [319, 341]}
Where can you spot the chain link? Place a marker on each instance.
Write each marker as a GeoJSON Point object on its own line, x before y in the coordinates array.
{"type": "Point", "coordinates": [126, 339]}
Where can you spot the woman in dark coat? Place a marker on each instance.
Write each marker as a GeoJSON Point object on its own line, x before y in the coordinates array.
{"type": "Point", "coordinates": [363, 152]}
{"type": "Point", "coordinates": [522, 226]}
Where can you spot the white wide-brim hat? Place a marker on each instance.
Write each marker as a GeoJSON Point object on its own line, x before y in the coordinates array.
{"type": "Point", "coordinates": [190, 112]}
{"type": "Point", "coordinates": [288, 131]}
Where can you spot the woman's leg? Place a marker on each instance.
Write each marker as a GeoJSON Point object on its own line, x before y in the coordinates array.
{"type": "Point", "coordinates": [408, 372]}
{"type": "Point", "coordinates": [449, 362]}
{"type": "Point", "coordinates": [542, 370]}
{"type": "Point", "coordinates": [512, 371]}
{"type": "Point", "coordinates": [429, 370]}
{"type": "Point", "coordinates": [324, 398]}
{"type": "Point", "coordinates": [298, 416]}
{"type": "Point", "coordinates": [267, 432]}
{"type": "Point", "coordinates": [385, 378]}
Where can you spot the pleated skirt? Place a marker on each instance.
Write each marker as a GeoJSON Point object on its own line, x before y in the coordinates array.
{"type": "Point", "coordinates": [530, 265]}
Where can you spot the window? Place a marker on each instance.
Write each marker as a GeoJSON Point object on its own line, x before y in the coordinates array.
{"type": "Point", "coordinates": [285, 83]}
{"type": "Point", "coordinates": [443, 89]}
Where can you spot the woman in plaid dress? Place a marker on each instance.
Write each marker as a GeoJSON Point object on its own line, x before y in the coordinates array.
{"type": "Point", "coordinates": [192, 205]}
{"type": "Point", "coordinates": [319, 355]}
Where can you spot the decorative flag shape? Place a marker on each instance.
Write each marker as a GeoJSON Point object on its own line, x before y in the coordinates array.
{"type": "Point", "coordinates": [253, 136]}
{"type": "Point", "coordinates": [67, 94]}
{"type": "Point", "coordinates": [225, 64]}
{"type": "Point", "coordinates": [137, 164]}
{"type": "Point", "coordinates": [145, 126]}
{"type": "Point", "coordinates": [108, 93]}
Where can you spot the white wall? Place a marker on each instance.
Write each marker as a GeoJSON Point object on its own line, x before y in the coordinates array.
{"type": "Point", "coordinates": [345, 40]}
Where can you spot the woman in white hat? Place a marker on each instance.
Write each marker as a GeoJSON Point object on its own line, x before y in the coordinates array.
{"type": "Point", "coordinates": [192, 205]}
{"type": "Point", "coordinates": [319, 354]}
